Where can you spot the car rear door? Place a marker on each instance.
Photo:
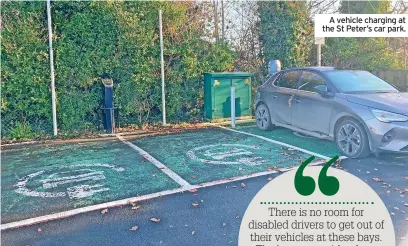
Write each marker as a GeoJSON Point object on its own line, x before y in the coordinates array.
{"type": "Point", "coordinates": [281, 99]}
{"type": "Point", "coordinates": [310, 110]}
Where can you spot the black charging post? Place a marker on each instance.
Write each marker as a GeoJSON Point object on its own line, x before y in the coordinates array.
{"type": "Point", "coordinates": [109, 108]}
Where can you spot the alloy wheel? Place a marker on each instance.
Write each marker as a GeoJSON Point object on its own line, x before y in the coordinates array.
{"type": "Point", "coordinates": [349, 139]}
{"type": "Point", "coordinates": [262, 117]}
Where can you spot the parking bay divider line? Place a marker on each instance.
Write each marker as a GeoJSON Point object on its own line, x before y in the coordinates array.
{"type": "Point", "coordinates": [127, 201]}
{"type": "Point", "coordinates": [174, 176]}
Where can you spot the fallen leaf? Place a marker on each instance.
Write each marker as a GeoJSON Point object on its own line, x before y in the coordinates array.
{"type": "Point", "coordinates": [378, 179]}
{"type": "Point", "coordinates": [104, 211]}
{"type": "Point", "coordinates": [134, 228]}
{"type": "Point", "coordinates": [156, 220]}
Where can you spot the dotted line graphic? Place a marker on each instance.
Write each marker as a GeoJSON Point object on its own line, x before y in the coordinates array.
{"type": "Point", "coordinates": [316, 203]}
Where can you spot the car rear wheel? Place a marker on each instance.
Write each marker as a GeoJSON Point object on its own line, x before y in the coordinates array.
{"type": "Point", "coordinates": [351, 139]}
{"type": "Point", "coordinates": [263, 119]}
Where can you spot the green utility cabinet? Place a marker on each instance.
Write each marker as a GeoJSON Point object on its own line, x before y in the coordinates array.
{"type": "Point", "coordinates": [217, 94]}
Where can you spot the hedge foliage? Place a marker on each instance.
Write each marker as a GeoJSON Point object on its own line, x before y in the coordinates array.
{"type": "Point", "coordinates": [93, 40]}
{"type": "Point", "coordinates": [285, 32]}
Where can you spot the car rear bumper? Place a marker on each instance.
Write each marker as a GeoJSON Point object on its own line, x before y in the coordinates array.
{"type": "Point", "coordinates": [391, 137]}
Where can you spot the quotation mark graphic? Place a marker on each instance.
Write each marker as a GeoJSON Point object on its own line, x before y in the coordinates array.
{"type": "Point", "coordinates": [306, 185]}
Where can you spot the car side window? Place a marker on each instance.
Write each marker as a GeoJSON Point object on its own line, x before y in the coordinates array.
{"type": "Point", "coordinates": [309, 80]}
{"type": "Point", "coordinates": [287, 80]}
{"type": "Point", "coordinates": [271, 80]}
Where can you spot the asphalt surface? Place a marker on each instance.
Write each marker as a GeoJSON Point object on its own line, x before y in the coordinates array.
{"type": "Point", "coordinates": [215, 221]}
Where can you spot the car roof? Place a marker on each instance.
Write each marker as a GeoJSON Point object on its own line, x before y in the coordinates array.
{"type": "Point", "coordinates": [320, 69]}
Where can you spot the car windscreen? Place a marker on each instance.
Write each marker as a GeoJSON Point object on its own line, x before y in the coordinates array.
{"type": "Point", "coordinates": [358, 82]}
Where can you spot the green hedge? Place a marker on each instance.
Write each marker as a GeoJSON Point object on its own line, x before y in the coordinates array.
{"type": "Point", "coordinates": [285, 32]}
{"type": "Point", "coordinates": [103, 39]}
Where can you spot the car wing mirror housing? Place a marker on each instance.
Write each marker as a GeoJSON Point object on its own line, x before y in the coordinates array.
{"type": "Point", "coordinates": [323, 91]}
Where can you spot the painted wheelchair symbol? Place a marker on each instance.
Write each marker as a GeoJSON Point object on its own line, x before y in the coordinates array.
{"type": "Point", "coordinates": [219, 153]}
{"type": "Point", "coordinates": [81, 173]}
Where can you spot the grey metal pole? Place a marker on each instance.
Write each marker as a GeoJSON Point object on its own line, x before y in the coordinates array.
{"type": "Point", "coordinates": [232, 106]}
{"type": "Point", "coordinates": [162, 68]}
{"type": "Point", "coordinates": [319, 55]}
{"type": "Point", "coordinates": [53, 96]}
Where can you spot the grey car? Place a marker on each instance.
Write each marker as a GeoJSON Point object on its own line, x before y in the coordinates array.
{"type": "Point", "coordinates": [359, 111]}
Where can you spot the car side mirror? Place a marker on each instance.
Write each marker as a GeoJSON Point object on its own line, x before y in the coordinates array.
{"type": "Point", "coordinates": [323, 91]}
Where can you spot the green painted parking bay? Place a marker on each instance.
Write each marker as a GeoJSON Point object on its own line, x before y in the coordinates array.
{"type": "Point", "coordinates": [212, 154]}
{"type": "Point", "coordinates": [40, 180]}
{"type": "Point", "coordinates": [320, 146]}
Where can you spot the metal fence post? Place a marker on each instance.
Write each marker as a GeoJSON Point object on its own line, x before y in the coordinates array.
{"type": "Point", "coordinates": [53, 96]}
{"type": "Point", "coordinates": [232, 105]}
{"type": "Point", "coordinates": [162, 67]}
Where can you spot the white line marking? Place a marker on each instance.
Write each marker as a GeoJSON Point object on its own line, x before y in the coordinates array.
{"type": "Point", "coordinates": [47, 180]}
{"type": "Point", "coordinates": [81, 191]}
{"type": "Point", "coordinates": [158, 164]}
{"type": "Point", "coordinates": [218, 159]}
{"type": "Point", "coordinates": [277, 142]}
{"type": "Point", "coordinates": [69, 213]}
{"type": "Point", "coordinates": [223, 155]}
{"type": "Point", "coordinates": [73, 212]}
{"type": "Point", "coordinates": [73, 180]}
{"type": "Point", "coordinates": [52, 183]}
